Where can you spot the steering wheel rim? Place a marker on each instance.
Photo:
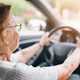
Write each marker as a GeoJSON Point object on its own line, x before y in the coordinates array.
{"type": "Point", "coordinates": [51, 33]}
{"type": "Point", "coordinates": [58, 28]}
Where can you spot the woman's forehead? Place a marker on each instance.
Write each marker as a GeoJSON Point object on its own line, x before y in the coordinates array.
{"type": "Point", "coordinates": [11, 20]}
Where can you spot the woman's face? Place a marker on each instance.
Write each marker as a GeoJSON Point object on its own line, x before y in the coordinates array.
{"type": "Point", "coordinates": [11, 38]}
{"type": "Point", "coordinates": [10, 35]}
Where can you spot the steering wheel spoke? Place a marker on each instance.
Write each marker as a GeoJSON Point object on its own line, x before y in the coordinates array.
{"type": "Point", "coordinates": [64, 44]}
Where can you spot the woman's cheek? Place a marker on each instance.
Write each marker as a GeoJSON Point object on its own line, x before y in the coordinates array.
{"type": "Point", "coordinates": [11, 39]}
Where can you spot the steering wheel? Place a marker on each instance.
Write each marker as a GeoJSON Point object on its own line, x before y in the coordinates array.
{"type": "Point", "coordinates": [50, 59]}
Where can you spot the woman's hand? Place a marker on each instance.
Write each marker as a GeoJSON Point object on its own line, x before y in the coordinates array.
{"type": "Point", "coordinates": [78, 42]}
{"type": "Point", "coordinates": [45, 40]}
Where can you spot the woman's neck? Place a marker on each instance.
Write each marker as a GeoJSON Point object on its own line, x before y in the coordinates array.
{"type": "Point", "coordinates": [4, 56]}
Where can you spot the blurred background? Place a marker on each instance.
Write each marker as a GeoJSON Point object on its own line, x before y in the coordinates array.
{"type": "Point", "coordinates": [68, 11]}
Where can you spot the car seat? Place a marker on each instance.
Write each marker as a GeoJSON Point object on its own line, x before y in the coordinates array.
{"type": "Point", "coordinates": [9, 72]}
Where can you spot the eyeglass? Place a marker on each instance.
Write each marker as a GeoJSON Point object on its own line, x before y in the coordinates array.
{"type": "Point", "coordinates": [18, 26]}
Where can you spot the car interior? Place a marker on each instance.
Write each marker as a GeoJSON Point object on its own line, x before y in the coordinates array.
{"type": "Point", "coordinates": [54, 54]}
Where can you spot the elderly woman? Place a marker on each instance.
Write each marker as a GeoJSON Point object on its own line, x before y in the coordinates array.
{"type": "Point", "coordinates": [9, 40]}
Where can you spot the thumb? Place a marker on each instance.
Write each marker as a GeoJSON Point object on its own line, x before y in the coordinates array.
{"type": "Point", "coordinates": [78, 41]}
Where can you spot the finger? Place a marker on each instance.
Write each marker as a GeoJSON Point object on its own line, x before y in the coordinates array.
{"type": "Point", "coordinates": [78, 39]}
{"type": "Point", "coordinates": [52, 37]}
{"type": "Point", "coordinates": [47, 33]}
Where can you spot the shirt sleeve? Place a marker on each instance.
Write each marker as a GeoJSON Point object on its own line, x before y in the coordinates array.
{"type": "Point", "coordinates": [38, 73]}
{"type": "Point", "coordinates": [35, 73]}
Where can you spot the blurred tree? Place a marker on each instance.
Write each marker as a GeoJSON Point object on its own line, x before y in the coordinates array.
{"type": "Point", "coordinates": [23, 8]}
{"type": "Point", "coordinates": [18, 6]}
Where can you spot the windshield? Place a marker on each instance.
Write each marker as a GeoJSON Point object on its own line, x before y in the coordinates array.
{"type": "Point", "coordinates": [32, 18]}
